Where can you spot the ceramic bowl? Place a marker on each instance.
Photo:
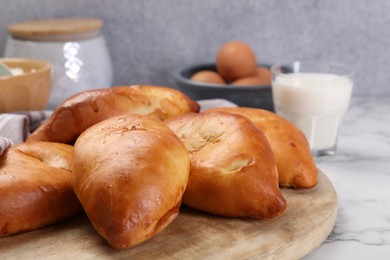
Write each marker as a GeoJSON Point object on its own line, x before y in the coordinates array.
{"type": "Point", "coordinates": [28, 91]}
{"type": "Point", "coordinates": [245, 96]}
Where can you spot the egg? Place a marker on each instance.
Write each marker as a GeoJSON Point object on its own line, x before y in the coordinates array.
{"type": "Point", "coordinates": [208, 76]}
{"type": "Point", "coordinates": [250, 81]}
{"type": "Point", "coordinates": [265, 74]}
{"type": "Point", "coordinates": [236, 60]}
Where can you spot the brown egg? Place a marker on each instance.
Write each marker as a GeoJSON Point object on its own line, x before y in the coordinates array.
{"type": "Point", "coordinates": [250, 81]}
{"type": "Point", "coordinates": [208, 76]}
{"type": "Point", "coordinates": [265, 74]}
{"type": "Point", "coordinates": [236, 60]}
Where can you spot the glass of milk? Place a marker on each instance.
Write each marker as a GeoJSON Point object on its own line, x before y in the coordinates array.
{"type": "Point", "coordinates": [314, 96]}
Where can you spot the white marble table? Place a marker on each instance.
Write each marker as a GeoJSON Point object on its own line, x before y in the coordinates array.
{"type": "Point", "coordinates": [360, 173]}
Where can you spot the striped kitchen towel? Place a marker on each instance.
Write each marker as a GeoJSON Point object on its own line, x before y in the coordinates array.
{"type": "Point", "coordinates": [15, 127]}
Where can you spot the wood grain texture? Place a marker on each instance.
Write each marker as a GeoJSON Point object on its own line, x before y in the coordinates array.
{"type": "Point", "coordinates": [307, 221]}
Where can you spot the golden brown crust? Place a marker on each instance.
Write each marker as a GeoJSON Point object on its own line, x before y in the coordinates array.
{"type": "Point", "coordinates": [36, 186]}
{"type": "Point", "coordinates": [84, 109]}
{"type": "Point", "coordinates": [131, 172]}
{"type": "Point", "coordinates": [233, 171]}
{"type": "Point", "coordinates": [295, 163]}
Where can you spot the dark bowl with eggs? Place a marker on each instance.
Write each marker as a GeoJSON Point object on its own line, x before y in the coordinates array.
{"type": "Point", "coordinates": [257, 96]}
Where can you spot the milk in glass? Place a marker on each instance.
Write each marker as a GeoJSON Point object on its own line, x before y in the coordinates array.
{"type": "Point", "coordinates": [315, 102]}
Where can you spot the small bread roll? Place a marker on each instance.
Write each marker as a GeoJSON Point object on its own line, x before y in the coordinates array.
{"type": "Point", "coordinates": [233, 171]}
{"type": "Point", "coordinates": [296, 166]}
{"type": "Point", "coordinates": [36, 186]}
{"type": "Point", "coordinates": [84, 109]}
{"type": "Point", "coordinates": [131, 172]}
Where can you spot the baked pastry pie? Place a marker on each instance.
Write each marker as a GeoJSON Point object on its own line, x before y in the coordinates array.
{"type": "Point", "coordinates": [233, 171]}
{"type": "Point", "coordinates": [36, 186]}
{"type": "Point", "coordinates": [296, 166]}
{"type": "Point", "coordinates": [84, 109]}
{"type": "Point", "coordinates": [131, 173]}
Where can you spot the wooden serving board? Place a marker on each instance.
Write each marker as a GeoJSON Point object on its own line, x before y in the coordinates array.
{"type": "Point", "coordinates": [307, 221]}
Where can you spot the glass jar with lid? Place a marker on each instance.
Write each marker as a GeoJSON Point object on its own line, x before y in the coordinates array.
{"type": "Point", "coordinates": [75, 47]}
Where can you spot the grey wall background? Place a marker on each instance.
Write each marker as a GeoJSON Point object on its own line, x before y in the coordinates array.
{"type": "Point", "coordinates": [149, 39]}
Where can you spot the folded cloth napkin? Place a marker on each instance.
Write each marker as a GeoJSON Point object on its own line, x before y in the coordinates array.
{"type": "Point", "coordinates": [211, 103]}
{"type": "Point", "coordinates": [15, 127]}
{"type": "Point", "coordinates": [4, 144]}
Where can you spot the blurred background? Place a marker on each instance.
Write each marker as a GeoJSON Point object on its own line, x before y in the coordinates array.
{"type": "Point", "coordinates": [149, 39]}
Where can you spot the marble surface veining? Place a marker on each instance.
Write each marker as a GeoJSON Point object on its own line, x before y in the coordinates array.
{"type": "Point", "coordinates": [360, 173]}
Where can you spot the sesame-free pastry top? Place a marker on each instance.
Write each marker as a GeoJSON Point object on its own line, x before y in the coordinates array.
{"type": "Point", "coordinates": [87, 108]}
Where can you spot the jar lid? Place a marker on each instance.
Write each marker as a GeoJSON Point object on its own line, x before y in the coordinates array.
{"type": "Point", "coordinates": [66, 29]}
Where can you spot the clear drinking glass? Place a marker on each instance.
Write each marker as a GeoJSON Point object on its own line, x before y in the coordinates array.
{"type": "Point", "coordinates": [314, 96]}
